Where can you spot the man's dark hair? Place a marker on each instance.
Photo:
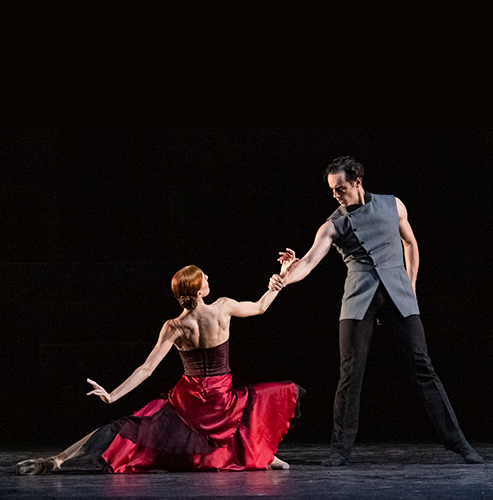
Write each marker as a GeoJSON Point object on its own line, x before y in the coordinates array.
{"type": "Point", "coordinates": [346, 164]}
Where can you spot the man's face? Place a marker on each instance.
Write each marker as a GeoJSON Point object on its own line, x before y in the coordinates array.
{"type": "Point", "coordinates": [344, 192]}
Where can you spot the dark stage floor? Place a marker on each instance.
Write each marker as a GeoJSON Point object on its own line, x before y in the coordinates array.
{"type": "Point", "coordinates": [377, 471]}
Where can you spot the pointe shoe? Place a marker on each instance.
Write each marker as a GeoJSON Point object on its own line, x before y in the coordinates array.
{"type": "Point", "coordinates": [470, 455]}
{"type": "Point", "coordinates": [36, 466]}
{"type": "Point", "coordinates": [278, 464]}
{"type": "Point", "coordinates": [335, 460]}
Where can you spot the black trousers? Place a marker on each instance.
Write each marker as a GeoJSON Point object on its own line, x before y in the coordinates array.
{"type": "Point", "coordinates": [355, 338]}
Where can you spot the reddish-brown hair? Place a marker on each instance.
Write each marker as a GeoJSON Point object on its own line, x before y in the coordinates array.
{"type": "Point", "coordinates": [186, 284]}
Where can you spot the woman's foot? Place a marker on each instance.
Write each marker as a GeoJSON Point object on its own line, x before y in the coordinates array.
{"type": "Point", "coordinates": [37, 466]}
{"type": "Point", "coordinates": [278, 464]}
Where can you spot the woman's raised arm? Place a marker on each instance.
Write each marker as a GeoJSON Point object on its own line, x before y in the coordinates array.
{"type": "Point", "coordinates": [246, 308]}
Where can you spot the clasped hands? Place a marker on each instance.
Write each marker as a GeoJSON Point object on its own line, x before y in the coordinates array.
{"type": "Point", "coordinates": [287, 259]}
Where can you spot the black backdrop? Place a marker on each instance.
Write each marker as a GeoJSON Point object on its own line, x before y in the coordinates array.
{"type": "Point", "coordinates": [96, 221]}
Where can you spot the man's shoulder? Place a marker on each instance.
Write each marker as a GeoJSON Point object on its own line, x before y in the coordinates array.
{"type": "Point", "coordinates": [337, 214]}
{"type": "Point", "coordinates": [383, 199]}
{"type": "Point", "coordinates": [382, 196]}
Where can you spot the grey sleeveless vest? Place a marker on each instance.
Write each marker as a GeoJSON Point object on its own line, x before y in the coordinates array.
{"type": "Point", "coordinates": [369, 242]}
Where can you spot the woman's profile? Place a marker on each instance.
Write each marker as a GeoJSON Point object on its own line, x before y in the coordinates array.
{"type": "Point", "coordinates": [203, 423]}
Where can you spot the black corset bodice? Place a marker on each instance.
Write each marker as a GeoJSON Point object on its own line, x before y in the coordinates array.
{"type": "Point", "coordinates": [206, 362]}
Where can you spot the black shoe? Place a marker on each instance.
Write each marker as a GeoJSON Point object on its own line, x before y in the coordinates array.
{"type": "Point", "coordinates": [470, 455]}
{"type": "Point", "coordinates": [335, 460]}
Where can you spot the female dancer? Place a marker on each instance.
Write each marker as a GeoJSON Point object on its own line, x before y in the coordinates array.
{"type": "Point", "coordinates": [203, 423]}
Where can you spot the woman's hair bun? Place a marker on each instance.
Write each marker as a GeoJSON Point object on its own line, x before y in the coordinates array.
{"type": "Point", "coordinates": [187, 302]}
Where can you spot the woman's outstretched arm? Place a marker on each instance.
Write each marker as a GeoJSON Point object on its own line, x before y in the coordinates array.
{"type": "Point", "coordinates": [245, 309]}
{"type": "Point", "coordinates": [166, 339]}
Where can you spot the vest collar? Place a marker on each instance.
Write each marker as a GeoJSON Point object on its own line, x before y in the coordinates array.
{"type": "Point", "coordinates": [352, 208]}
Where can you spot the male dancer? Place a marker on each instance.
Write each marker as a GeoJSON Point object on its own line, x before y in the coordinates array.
{"type": "Point", "coordinates": [371, 231]}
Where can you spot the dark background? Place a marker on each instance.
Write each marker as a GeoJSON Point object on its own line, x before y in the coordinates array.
{"type": "Point", "coordinates": [96, 221]}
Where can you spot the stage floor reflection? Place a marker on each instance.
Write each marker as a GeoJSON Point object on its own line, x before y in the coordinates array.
{"type": "Point", "coordinates": [376, 471]}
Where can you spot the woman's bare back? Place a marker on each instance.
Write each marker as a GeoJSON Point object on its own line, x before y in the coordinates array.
{"type": "Point", "coordinates": [203, 327]}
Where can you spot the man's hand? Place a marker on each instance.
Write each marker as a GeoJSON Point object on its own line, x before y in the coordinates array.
{"type": "Point", "coordinates": [287, 259]}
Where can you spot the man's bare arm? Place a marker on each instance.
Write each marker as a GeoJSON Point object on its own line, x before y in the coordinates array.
{"type": "Point", "coordinates": [321, 246]}
{"type": "Point", "coordinates": [411, 253]}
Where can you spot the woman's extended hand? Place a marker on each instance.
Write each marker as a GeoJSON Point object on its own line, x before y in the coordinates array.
{"type": "Point", "coordinates": [99, 391]}
{"type": "Point", "coordinates": [276, 283]}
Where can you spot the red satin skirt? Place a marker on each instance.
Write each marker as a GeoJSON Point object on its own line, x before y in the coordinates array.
{"type": "Point", "coordinates": [202, 424]}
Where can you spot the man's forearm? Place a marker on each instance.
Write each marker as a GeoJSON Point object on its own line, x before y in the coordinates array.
{"type": "Point", "coordinates": [302, 268]}
{"type": "Point", "coordinates": [411, 255]}
{"type": "Point", "coordinates": [297, 272]}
